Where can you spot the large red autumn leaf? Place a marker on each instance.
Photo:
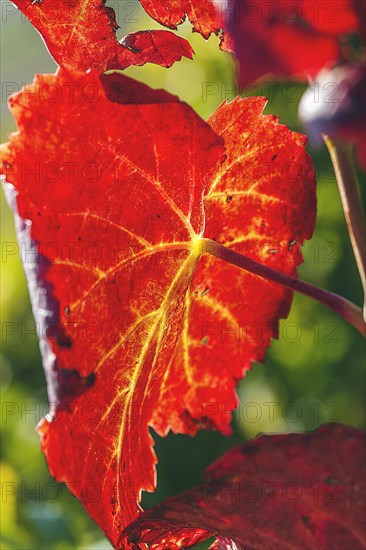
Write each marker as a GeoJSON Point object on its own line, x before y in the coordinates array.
{"type": "Point", "coordinates": [296, 491]}
{"type": "Point", "coordinates": [139, 329]}
{"type": "Point", "coordinates": [290, 39]}
{"type": "Point", "coordinates": [82, 35]}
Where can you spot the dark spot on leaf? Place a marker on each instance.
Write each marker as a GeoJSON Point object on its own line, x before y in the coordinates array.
{"type": "Point", "coordinates": [332, 481]}
{"type": "Point", "coordinates": [229, 198]}
{"type": "Point", "coordinates": [72, 384]}
{"type": "Point", "coordinates": [274, 157]}
{"type": "Point", "coordinates": [158, 216]}
{"type": "Point", "coordinates": [64, 342]}
{"type": "Point", "coordinates": [79, 238]}
{"type": "Point", "coordinates": [39, 214]}
{"type": "Point", "coordinates": [250, 450]}
{"type": "Point", "coordinates": [67, 311]}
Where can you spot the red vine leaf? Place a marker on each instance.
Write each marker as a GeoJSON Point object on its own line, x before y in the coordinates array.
{"type": "Point", "coordinates": [206, 16]}
{"type": "Point", "coordinates": [140, 328]}
{"type": "Point", "coordinates": [82, 35]}
{"type": "Point", "coordinates": [340, 17]}
{"type": "Point", "coordinates": [291, 39]}
{"type": "Point", "coordinates": [282, 491]}
{"type": "Point", "coordinates": [260, 203]}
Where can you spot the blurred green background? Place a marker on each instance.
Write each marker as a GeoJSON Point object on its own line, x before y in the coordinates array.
{"type": "Point", "coordinates": [313, 374]}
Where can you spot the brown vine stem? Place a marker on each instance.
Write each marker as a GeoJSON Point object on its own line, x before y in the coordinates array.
{"type": "Point", "coordinates": [346, 309]}
{"type": "Point", "coordinates": [351, 203]}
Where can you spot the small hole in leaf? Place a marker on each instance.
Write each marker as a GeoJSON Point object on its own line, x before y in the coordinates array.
{"type": "Point", "coordinates": [204, 340]}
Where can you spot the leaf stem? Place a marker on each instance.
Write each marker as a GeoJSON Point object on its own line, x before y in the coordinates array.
{"type": "Point", "coordinates": [351, 203]}
{"type": "Point", "coordinates": [346, 309]}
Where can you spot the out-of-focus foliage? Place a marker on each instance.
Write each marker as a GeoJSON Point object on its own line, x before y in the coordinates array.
{"type": "Point", "coordinates": [313, 374]}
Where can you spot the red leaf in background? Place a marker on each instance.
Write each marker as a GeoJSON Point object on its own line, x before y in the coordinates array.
{"type": "Point", "coordinates": [289, 39]}
{"type": "Point", "coordinates": [137, 329]}
{"type": "Point", "coordinates": [300, 491]}
{"type": "Point", "coordinates": [206, 16]}
{"type": "Point", "coordinates": [82, 35]}
{"type": "Point", "coordinates": [160, 47]}
{"type": "Point", "coordinates": [335, 18]}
